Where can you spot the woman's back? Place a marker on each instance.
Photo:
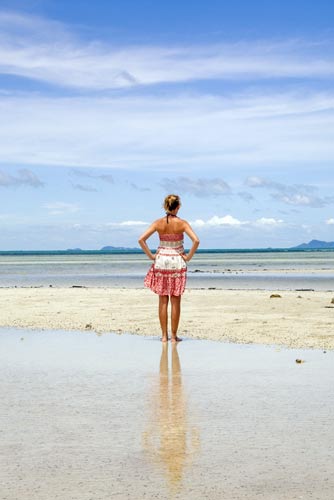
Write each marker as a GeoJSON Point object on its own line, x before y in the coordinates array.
{"type": "Point", "coordinates": [167, 275]}
{"type": "Point", "coordinates": [170, 224]}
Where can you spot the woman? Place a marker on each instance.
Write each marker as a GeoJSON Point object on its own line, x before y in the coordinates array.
{"type": "Point", "coordinates": [167, 275]}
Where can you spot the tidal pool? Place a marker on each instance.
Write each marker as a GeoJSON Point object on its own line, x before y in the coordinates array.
{"type": "Point", "coordinates": [86, 416]}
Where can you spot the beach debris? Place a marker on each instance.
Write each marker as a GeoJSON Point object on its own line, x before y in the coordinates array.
{"type": "Point", "coordinates": [332, 301]}
{"type": "Point", "coordinates": [275, 296]}
{"type": "Point", "coordinates": [300, 361]}
{"type": "Point", "coordinates": [88, 326]}
{"type": "Point", "coordinates": [299, 297]}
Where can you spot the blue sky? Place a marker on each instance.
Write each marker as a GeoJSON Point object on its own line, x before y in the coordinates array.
{"type": "Point", "coordinates": [108, 106]}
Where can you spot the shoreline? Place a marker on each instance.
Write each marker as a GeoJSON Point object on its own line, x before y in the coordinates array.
{"type": "Point", "coordinates": [295, 319]}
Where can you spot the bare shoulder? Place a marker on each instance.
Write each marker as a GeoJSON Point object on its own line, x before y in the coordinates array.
{"type": "Point", "coordinates": [184, 224]}
{"type": "Point", "coordinates": [189, 231]}
{"type": "Point", "coordinates": [159, 223]}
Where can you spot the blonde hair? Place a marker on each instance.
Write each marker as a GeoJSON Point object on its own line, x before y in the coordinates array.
{"type": "Point", "coordinates": [172, 202]}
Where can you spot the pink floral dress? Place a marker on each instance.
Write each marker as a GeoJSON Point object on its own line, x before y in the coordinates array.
{"type": "Point", "coordinates": [168, 273]}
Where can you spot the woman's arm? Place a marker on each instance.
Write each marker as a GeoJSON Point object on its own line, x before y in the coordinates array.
{"type": "Point", "coordinates": [142, 240]}
{"type": "Point", "coordinates": [194, 238]}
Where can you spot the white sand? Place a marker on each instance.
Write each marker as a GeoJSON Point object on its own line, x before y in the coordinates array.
{"type": "Point", "coordinates": [296, 319]}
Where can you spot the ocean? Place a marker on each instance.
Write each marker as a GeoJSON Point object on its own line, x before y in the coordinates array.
{"type": "Point", "coordinates": [221, 269]}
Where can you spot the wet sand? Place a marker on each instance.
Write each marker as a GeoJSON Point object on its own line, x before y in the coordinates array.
{"type": "Point", "coordinates": [86, 416]}
{"type": "Point", "coordinates": [302, 319]}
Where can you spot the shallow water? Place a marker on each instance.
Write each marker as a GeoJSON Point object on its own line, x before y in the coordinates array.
{"type": "Point", "coordinates": [118, 416]}
{"type": "Point", "coordinates": [247, 270]}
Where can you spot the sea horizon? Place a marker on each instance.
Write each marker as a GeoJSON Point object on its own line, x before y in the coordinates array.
{"type": "Point", "coordinates": [269, 268]}
{"type": "Point", "coordinates": [135, 250]}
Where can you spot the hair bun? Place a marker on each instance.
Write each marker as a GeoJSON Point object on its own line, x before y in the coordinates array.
{"type": "Point", "coordinates": [172, 202]}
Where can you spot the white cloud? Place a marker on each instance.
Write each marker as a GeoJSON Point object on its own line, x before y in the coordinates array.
{"type": "Point", "coordinates": [269, 222]}
{"type": "Point", "coordinates": [217, 221]}
{"type": "Point", "coordinates": [330, 222]}
{"type": "Point", "coordinates": [47, 51]}
{"type": "Point", "coordinates": [132, 223]}
{"type": "Point", "coordinates": [107, 225]}
{"type": "Point", "coordinates": [230, 221]}
{"type": "Point", "coordinates": [167, 133]}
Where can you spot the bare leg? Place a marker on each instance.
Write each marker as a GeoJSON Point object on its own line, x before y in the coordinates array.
{"type": "Point", "coordinates": [176, 310]}
{"type": "Point", "coordinates": [163, 306]}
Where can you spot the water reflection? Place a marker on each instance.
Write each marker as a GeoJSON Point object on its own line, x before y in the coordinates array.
{"type": "Point", "coordinates": [170, 441]}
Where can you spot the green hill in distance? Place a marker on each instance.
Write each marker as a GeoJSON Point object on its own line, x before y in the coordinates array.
{"type": "Point", "coordinates": [314, 244]}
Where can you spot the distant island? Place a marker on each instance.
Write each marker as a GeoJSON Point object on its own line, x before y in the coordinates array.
{"type": "Point", "coordinates": [314, 244]}
{"type": "Point", "coordinates": [118, 249]}
{"type": "Point", "coordinates": [109, 249]}
{"type": "Point", "coordinates": [105, 249]}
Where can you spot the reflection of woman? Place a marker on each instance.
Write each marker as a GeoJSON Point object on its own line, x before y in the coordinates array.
{"type": "Point", "coordinates": [167, 276]}
{"type": "Point", "coordinates": [169, 438]}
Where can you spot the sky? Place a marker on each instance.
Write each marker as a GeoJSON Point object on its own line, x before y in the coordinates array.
{"type": "Point", "coordinates": [108, 106]}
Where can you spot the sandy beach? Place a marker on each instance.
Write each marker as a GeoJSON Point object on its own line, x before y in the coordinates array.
{"type": "Point", "coordinates": [300, 319]}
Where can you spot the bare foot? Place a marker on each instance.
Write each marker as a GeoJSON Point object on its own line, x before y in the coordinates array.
{"type": "Point", "coordinates": [176, 339]}
{"type": "Point", "coordinates": [164, 339]}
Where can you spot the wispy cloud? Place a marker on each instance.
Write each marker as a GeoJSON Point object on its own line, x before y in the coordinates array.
{"type": "Point", "coordinates": [109, 178]}
{"type": "Point", "coordinates": [89, 188]}
{"type": "Point", "coordinates": [24, 177]}
{"type": "Point", "coordinates": [47, 51]}
{"type": "Point", "coordinates": [141, 189]}
{"type": "Point", "coordinates": [198, 187]}
{"type": "Point", "coordinates": [106, 226]}
{"type": "Point", "coordinates": [61, 208]}
{"type": "Point", "coordinates": [244, 195]}
{"type": "Point", "coordinates": [330, 222]}
{"type": "Point", "coordinates": [176, 133]}
{"type": "Point", "coordinates": [297, 194]}
{"type": "Point", "coordinates": [84, 187]}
